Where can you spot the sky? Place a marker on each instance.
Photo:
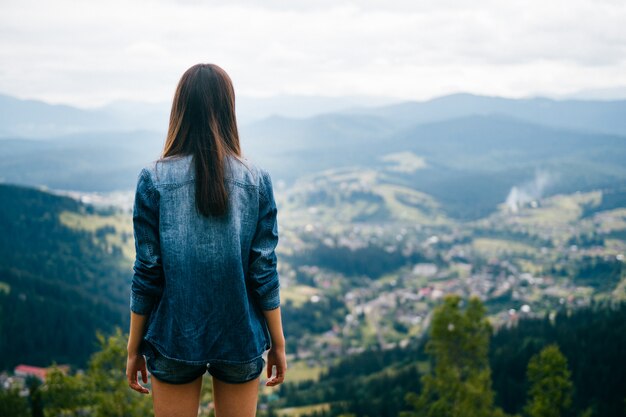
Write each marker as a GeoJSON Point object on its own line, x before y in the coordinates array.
{"type": "Point", "coordinates": [88, 53]}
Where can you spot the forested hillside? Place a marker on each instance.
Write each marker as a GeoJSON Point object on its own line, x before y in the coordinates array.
{"type": "Point", "coordinates": [592, 339]}
{"type": "Point", "coordinates": [58, 285]}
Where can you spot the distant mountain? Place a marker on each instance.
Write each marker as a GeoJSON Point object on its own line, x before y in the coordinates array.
{"type": "Point", "coordinates": [82, 162]}
{"type": "Point", "coordinates": [58, 284]}
{"type": "Point", "coordinates": [609, 93]}
{"type": "Point", "coordinates": [472, 149]}
{"type": "Point", "coordinates": [135, 115]}
{"type": "Point", "coordinates": [474, 161]}
{"type": "Point", "coordinates": [468, 164]}
{"type": "Point", "coordinates": [292, 147]}
{"type": "Point", "coordinates": [585, 115]}
{"type": "Point", "coordinates": [37, 119]}
{"type": "Point", "coordinates": [253, 109]}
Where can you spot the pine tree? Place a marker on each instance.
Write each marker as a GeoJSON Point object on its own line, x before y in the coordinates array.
{"type": "Point", "coordinates": [550, 392]}
{"type": "Point", "coordinates": [460, 385]}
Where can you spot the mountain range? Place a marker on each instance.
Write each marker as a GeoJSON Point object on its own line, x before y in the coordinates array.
{"type": "Point", "coordinates": [471, 151]}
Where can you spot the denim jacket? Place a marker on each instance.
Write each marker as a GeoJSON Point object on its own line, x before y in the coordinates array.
{"type": "Point", "coordinates": [204, 282]}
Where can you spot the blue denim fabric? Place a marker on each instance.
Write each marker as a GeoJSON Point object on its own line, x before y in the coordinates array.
{"type": "Point", "coordinates": [204, 282]}
{"type": "Point", "coordinates": [175, 372]}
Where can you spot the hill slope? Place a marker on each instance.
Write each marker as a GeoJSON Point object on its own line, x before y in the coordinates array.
{"type": "Point", "coordinates": [57, 284]}
{"type": "Point", "coordinates": [375, 382]}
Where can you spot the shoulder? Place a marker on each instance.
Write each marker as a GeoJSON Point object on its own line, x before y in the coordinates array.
{"type": "Point", "coordinates": [169, 170]}
{"type": "Point", "coordinates": [248, 172]}
{"type": "Point", "coordinates": [262, 181]}
{"type": "Point", "coordinates": [179, 169]}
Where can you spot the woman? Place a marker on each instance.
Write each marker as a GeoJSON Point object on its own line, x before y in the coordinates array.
{"type": "Point", "coordinates": [205, 289]}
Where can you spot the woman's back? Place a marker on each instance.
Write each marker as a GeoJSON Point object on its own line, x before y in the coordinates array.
{"type": "Point", "coordinates": [204, 281]}
{"type": "Point", "coordinates": [205, 289]}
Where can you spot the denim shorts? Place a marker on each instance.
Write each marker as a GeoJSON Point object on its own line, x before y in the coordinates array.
{"type": "Point", "coordinates": [175, 372]}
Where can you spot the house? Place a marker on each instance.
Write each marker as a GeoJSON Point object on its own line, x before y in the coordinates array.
{"type": "Point", "coordinates": [25, 371]}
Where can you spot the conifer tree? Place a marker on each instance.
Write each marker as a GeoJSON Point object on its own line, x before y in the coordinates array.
{"type": "Point", "coordinates": [460, 384]}
{"type": "Point", "coordinates": [550, 392]}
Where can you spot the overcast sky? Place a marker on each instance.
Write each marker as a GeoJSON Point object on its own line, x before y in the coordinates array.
{"type": "Point", "coordinates": [88, 54]}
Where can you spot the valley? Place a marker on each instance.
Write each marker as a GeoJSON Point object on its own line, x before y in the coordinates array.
{"type": "Point", "coordinates": [383, 212]}
{"type": "Point", "coordinates": [363, 262]}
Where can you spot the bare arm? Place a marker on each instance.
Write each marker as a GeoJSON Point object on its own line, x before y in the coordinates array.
{"type": "Point", "coordinates": [276, 355]}
{"type": "Point", "coordinates": [137, 328]}
{"type": "Point", "coordinates": [136, 362]}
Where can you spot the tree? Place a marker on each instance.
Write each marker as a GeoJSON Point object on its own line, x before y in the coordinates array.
{"type": "Point", "coordinates": [108, 383]}
{"type": "Point", "coordinates": [460, 385]}
{"type": "Point", "coordinates": [550, 382]}
{"type": "Point", "coordinates": [65, 395]}
{"type": "Point", "coordinates": [34, 394]}
{"type": "Point", "coordinates": [12, 404]}
{"type": "Point", "coordinates": [102, 391]}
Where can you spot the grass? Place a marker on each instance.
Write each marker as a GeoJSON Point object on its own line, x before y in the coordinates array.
{"type": "Point", "coordinates": [122, 237]}
{"type": "Point", "coordinates": [558, 210]}
{"type": "Point", "coordinates": [611, 220]}
{"type": "Point", "coordinates": [404, 162]}
{"type": "Point", "coordinates": [298, 294]}
{"type": "Point", "coordinates": [462, 272]}
{"type": "Point", "coordinates": [614, 246]}
{"type": "Point", "coordinates": [299, 371]}
{"type": "Point", "coordinates": [489, 246]}
{"type": "Point", "coordinates": [529, 266]}
{"type": "Point", "coordinates": [403, 212]}
{"type": "Point", "coordinates": [306, 409]}
{"type": "Point", "coordinates": [619, 293]}
{"type": "Point", "coordinates": [400, 203]}
{"type": "Point", "coordinates": [553, 217]}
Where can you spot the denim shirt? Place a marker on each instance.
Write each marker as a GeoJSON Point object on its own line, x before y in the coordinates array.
{"type": "Point", "coordinates": [204, 282]}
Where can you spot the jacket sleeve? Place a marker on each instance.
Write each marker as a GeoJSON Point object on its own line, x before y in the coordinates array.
{"type": "Point", "coordinates": [148, 279]}
{"type": "Point", "coordinates": [262, 268]}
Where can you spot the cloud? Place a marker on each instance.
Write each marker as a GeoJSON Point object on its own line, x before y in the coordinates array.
{"type": "Point", "coordinates": [87, 54]}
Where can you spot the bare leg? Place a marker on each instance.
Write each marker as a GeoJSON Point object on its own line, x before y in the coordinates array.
{"type": "Point", "coordinates": [235, 400]}
{"type": "Point", "coordinates": [176, 400]}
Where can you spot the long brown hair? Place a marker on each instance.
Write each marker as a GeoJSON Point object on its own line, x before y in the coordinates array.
{"type": "Point", "coordinates": [203, 123]}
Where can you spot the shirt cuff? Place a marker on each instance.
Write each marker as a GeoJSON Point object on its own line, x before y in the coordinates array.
{"type": "Point", "coordinates": [141, 304]}
{"type": "Point", "coordinates": [271, 300]}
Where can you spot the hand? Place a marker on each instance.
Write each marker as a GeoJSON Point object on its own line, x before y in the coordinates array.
{"type": "Point", "coordinates": [276, 357]}
{"type": "Point", "coordinates": [136, 363]}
